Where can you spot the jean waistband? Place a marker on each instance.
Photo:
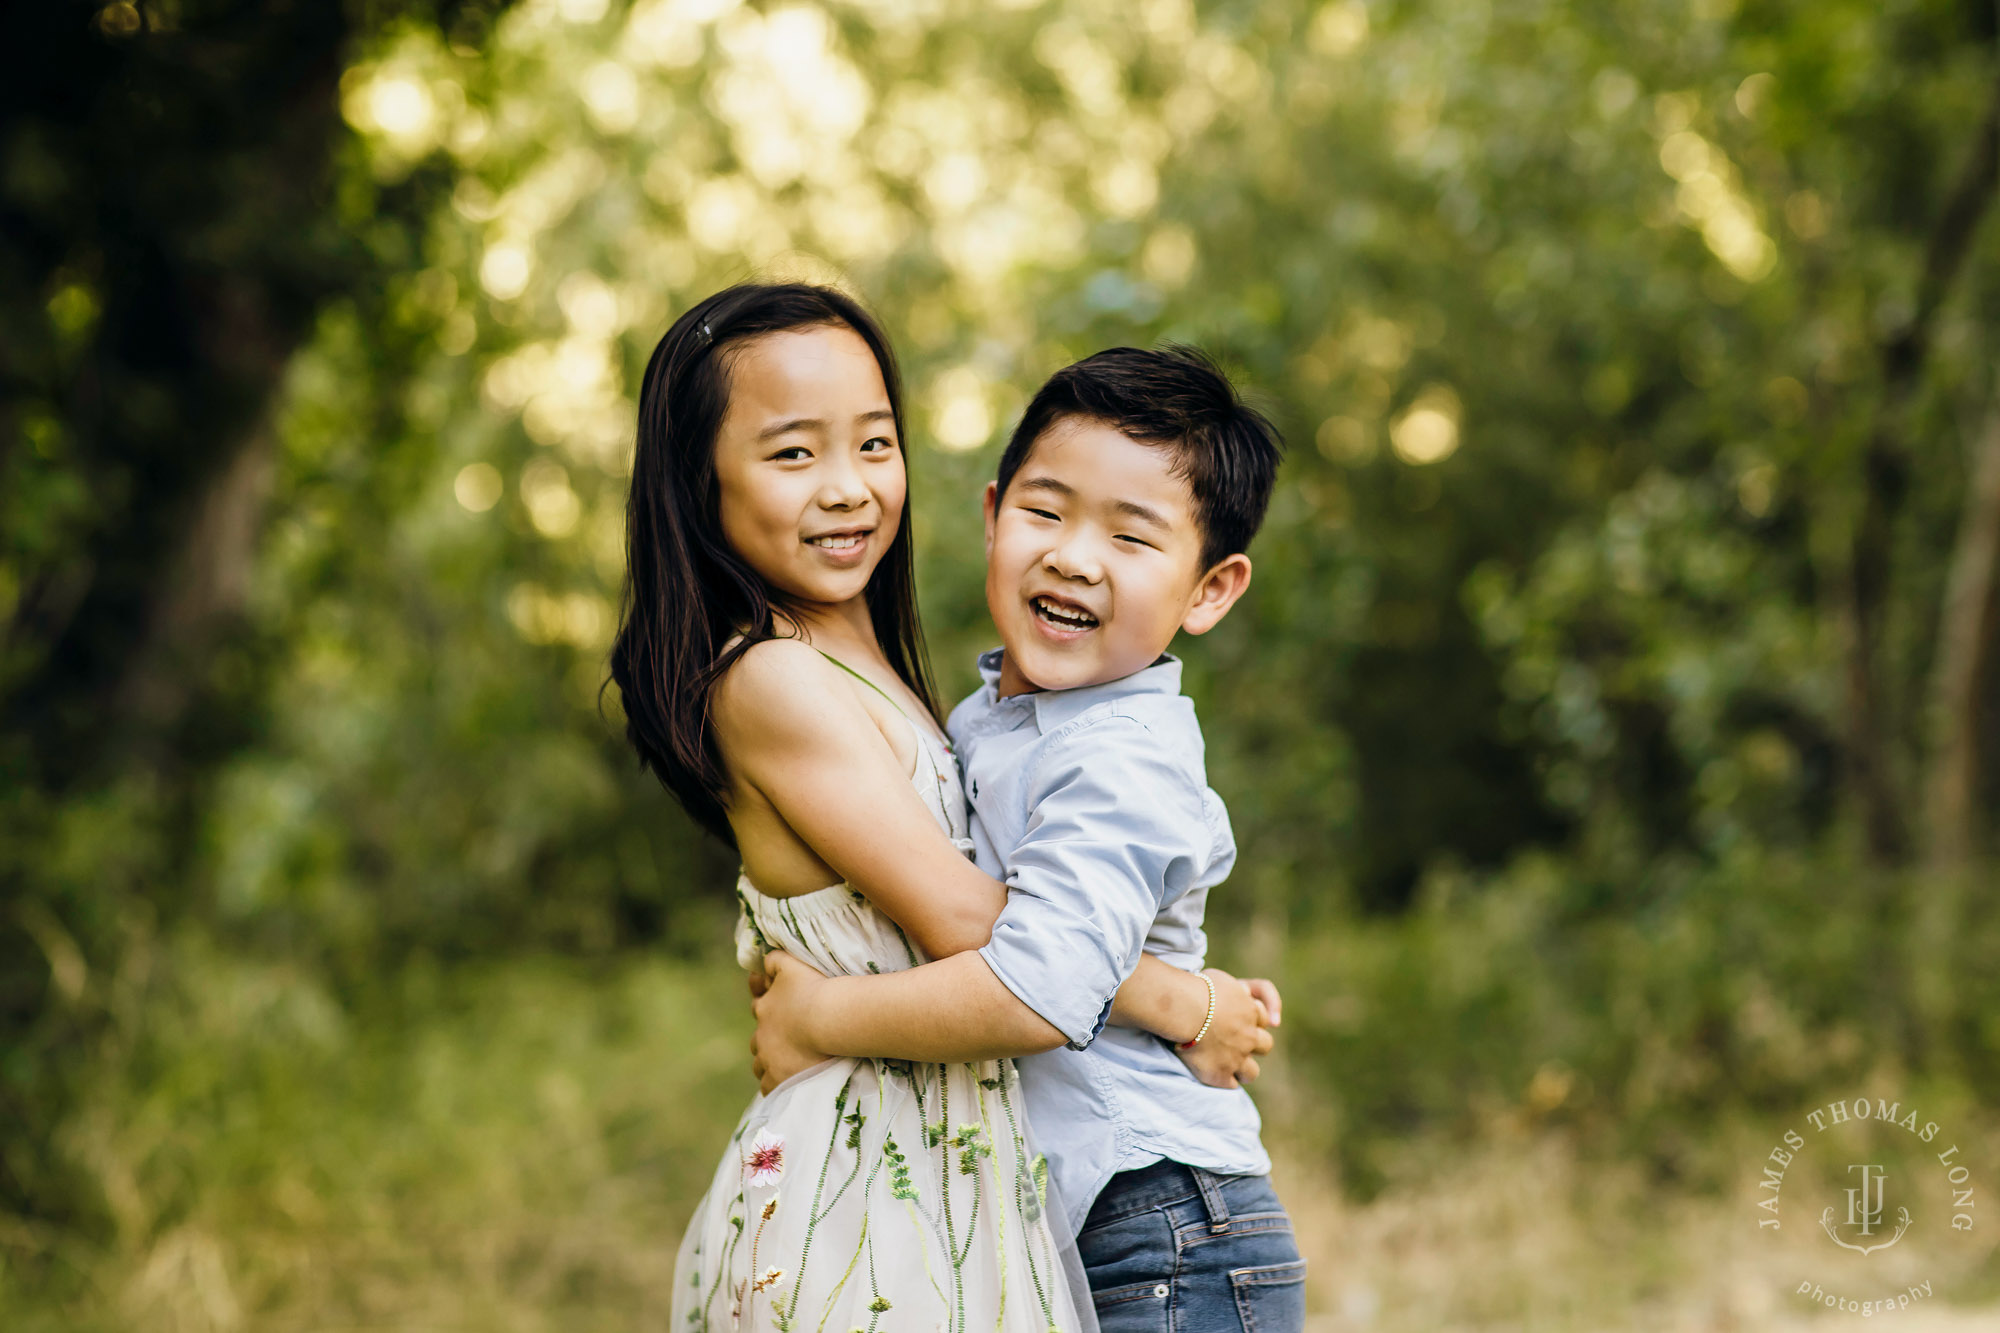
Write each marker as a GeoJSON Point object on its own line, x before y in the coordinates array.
{"type": "Point", "coordinates": [1158, 1186]}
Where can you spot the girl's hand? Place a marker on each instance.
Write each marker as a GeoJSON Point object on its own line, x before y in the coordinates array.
{"type": "Point", "coordinates": [782, 1045]}
{"type": "Point", "coordinates": [1227, 1056]}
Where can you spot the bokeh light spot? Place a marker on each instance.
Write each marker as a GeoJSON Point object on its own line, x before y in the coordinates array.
{"type": "Point", "coordinates": [477, 487]}
{"type": "Point", "coordinates": [1427, 432]}
{"type": "Point", "coordinates": [401, 106]}
{"type": "Point", "coordinates": [119, 20]}
{"type": "Point", "coordinates": [552, 506]}
{"type": "Point", "coordinates": [504, 271]}
{"type": "Point", "coordinates": [961, 416]}
{"type": "Point", "coordinates": [1339, 28]}
{"type": "Point", "coordinates": [589, 304]}
{"type": "Point", "coordinates": [611, 96]}
{"type": "Point", "coordinates": [1345, 440]}
{"type": "Point", "coordinates": [1169, 255]}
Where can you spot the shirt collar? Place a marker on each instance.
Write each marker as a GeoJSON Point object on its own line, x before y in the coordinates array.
{"type": "Point", "coordinates": [1053, 708]}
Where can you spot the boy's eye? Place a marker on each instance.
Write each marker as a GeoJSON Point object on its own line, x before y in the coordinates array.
{"type": "Point", "coordinates": [1136, 541]}
{"type": "Point", "coordinates": [1041, 513]}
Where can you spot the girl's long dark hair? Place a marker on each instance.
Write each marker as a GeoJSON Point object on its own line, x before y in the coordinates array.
{"type": "Point", "coordinates": [686, 592]}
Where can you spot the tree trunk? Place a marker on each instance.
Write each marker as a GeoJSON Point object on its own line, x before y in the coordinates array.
{"type": "Point", "coordinates": [1873, 731]}
{"type": "Point", "coordinates": [1968, 627]}
{"type": "Point", "coordinates": [207, 588]}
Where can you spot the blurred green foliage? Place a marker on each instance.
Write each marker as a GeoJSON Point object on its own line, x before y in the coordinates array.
{"type": "Point", "coordinates": [1581, 728]}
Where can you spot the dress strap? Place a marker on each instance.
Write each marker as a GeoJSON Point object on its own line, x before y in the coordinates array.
{"type": "Point", "coordinates": [924, 736]}
{"type": "Point", "coordinates": [864, 680]}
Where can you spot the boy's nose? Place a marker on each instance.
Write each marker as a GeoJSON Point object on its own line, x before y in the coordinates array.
{"type": "Point", "coordinates": [1072, 561]}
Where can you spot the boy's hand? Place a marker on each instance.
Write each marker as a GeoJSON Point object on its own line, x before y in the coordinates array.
{"type": "Point", "coordinates": [781, 1047]}
{"type": "Point", "coordinates": [1227, 1056]}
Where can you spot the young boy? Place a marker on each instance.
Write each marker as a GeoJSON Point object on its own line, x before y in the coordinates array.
{"type": "Point", "coordinates": [1120, 516]}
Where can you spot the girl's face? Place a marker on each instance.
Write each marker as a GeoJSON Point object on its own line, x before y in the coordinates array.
{"type": "Point", "coordinates": [807, 462]}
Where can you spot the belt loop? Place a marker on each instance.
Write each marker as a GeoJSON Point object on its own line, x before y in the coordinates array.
{"type": "Point", "coordinates": [1211, 1198]}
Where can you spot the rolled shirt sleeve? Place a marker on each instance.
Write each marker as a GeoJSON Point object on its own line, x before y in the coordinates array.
{"type": "Point", "coordinates": [1117, 830]}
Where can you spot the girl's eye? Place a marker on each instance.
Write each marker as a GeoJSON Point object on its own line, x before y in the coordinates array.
{"type": "Point", "coordinates": [791, 454]}
{"type": "Point", "coordinates": [877, 445]}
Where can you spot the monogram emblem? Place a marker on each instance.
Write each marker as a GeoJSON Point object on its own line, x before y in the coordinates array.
{"type": "Point", "coordinates": [1864, 1212]}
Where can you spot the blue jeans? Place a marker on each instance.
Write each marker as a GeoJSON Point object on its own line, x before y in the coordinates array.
{"type": "Point", "coordinates": [1175, 1249]}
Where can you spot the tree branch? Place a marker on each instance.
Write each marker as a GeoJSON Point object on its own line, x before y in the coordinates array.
{"type": "Point", "coordinates": [1885, 479]}
{"type": "Point", "coordinates": [1968, 626]}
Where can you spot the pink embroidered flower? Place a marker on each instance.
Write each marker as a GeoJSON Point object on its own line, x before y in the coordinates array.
{"type": "Point", "coordinates": [764, 1161]}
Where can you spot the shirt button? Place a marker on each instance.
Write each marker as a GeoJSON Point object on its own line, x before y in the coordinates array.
{"type": "Point", "coordinates": [1161, 1291]}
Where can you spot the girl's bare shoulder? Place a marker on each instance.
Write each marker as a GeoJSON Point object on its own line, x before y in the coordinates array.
{"type": "Point", "coordinates": [779, 687]}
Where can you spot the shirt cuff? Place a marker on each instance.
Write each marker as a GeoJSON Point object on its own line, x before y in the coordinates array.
{"type": "Point", "coordinates": [1056, 989]}
{"type": "Point", "coordinates": [1103, 1016]}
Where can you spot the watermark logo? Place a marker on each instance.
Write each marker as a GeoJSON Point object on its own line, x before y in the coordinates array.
{"type": "Point", "coordinates": [1864, 1211]}
{"type": "Point", "coordinates": [1894, 1198]}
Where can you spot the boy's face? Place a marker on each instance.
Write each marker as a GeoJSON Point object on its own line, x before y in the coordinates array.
{"type": "Point", "coordinates": [1093, 560]}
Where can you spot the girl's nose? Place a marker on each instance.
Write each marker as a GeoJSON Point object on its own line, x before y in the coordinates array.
{"type": "Point", "coordinates": [841, 487]}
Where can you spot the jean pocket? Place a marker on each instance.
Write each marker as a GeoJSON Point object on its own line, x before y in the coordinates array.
{"type": "Point", "coordinates": [1129, 1252]}
{"type": "Point", "coordinates": [1271, 1299]}
{"type": "Point", "coordinates": [1137, 1307]}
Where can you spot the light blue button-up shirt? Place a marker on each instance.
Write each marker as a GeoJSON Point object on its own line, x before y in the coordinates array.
{"type": "Point", "coordinates": [1092, 806]}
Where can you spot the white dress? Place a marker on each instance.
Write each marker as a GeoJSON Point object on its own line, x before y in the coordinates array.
{"type": "Point", "coordinates": [877, 1195]}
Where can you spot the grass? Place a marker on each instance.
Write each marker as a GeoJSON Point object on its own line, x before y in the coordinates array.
{"type": "Point", "coordinates": [517, 1148]}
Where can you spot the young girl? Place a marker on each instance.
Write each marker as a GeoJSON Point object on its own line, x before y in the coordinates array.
{"type": "Point", "coordinates": [773, 678]}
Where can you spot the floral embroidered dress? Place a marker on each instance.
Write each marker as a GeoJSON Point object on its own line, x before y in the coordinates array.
{"type": "Point", "coordinates": [876, 1195]}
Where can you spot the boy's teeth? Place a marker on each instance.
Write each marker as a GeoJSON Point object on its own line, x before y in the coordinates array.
{"type": "Point", "coordinates": [1066, 618]}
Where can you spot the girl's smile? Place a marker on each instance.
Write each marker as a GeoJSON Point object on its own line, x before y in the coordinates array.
{"type": "Point", "coordinates": [842, 548]}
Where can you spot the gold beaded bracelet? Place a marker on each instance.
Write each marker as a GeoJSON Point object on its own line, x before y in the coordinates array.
{"type": "Point", "coordinates": [1208, 981]}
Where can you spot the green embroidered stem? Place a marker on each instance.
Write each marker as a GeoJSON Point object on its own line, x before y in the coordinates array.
{"type": "Point", "coordinates": [728, 1254]}
{"type": "Point", "coordinates": [908, 1193]}
{"type": "Point", "coordinates": [826, 1310]}
{"type": "Point", "coordinates": [1034, 1270]}
{"type": "Point", "coordinates": [944, 1198]}
{"type": "Point", "coordinates": [999, 1214]}
{"type": "Point", "coordinates": [750, 918]}
{"type": "Point", "coordinates": [812, 1211]}
{"type": "Point", "coordinates": [864, 1243]}
{"type": "Point", "coordinates": [855, 1120]}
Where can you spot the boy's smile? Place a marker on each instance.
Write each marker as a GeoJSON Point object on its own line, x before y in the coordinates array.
{"type": "Point", "coordinates": [1093, 560]}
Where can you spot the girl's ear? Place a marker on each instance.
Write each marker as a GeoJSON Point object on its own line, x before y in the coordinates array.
{"type": "Point", "coordinates": [991, 504]}
{"type": "Point", "coordinates": [1216, 593]}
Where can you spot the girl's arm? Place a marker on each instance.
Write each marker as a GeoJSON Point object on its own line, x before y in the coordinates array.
{"type": "Point", "coordinates": [951, 1010]}
{"type": "Point", "coordinates": [790, 724]}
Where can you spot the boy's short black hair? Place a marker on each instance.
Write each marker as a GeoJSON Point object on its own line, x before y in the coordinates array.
{"type": "Point", "coordinates": [1177, 398]}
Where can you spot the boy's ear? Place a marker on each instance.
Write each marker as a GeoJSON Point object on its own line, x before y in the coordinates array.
{"type": "Point", "coordinates": [991, 504]}
{"type": "Point", "coordinates": [1216, 593]}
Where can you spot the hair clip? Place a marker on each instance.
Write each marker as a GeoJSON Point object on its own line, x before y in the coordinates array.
{"type": "Point", "coordinates": [707, 337]}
